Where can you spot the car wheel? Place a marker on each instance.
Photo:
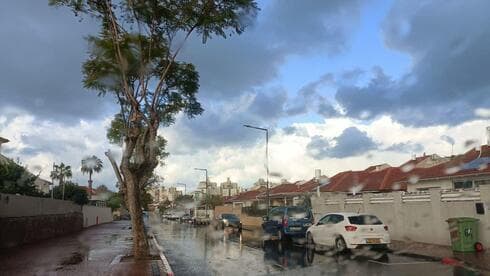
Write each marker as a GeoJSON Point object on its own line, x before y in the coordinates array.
{"type": "Point", "coordinates": [310, 241]}
{"type": "Point", "coordinates": [340, 245]}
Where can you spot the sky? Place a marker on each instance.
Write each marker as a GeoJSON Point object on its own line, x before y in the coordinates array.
{"type": "Point", "coordinates": [341, 85]}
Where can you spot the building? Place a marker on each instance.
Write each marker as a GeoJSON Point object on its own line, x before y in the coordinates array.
{"type": "Point", "coordinates": [173, 193]}
{"type": "Point", "coordinates": [229, 188]}
{"type": "Point", "coordinates": [212, 188]}
{"type": "Point", "coordinates": [42, 185]}
{"type": "Point", "coordinates": [466, 171]}
{"type": "Point", "coordinates": [244, 199]}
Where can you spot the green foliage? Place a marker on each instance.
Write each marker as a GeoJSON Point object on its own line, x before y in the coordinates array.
{"type": "Point", "coordinates": [73, 192]}
{"type": "Point", "coordinates": [115, 201]}
{"type": "Point", "coordinates": [61, 172]}
{"type": "Point", "coordinates": [164, 206]}
{"type": "Point", "coordinates": [145, 199]}
{"type": "Point", "coordinates": [15, 179]}
{"type": "Point", "coordinates": [213, 201]}
{"type": "Point", "coordinates": [183, 200]}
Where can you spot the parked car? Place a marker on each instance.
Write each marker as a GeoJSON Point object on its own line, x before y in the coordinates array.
{"type": "Point", "coordinates": [287, 221]}
{"type": "Point", "coordinates": [186, 218]}
{"type": "Point", "coordinates": [228, 220]}
{"type": "Point", "coordinates": [348, 231]}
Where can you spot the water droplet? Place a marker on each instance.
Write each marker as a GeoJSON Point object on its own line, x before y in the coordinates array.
{"type": "Point", "coordinates": [413, 179]}
{"type": "Point", "coordinates": [396, 186]}
{"type": "Point", "coordinates": [452, 170]}
{"type": "Point", "coordinates": [408, 167]}
{"type": "Point", "coordinates": [356, 189]}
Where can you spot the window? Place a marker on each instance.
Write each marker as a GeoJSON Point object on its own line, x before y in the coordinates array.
{"type": "Point", "coordinates": [478, 183]}
{"type": "Point", "coordinates": [463, 184]}
{"type": "Point", "coordinates": [324, 220]}
{"type": "Point", "coordinates": [298, 212]}
{"type": "Point", "coordinates": [365, 220]}
{"type": "Point", "coordinates": [276, 214]}
{"type": "Point", "coordinates": [336, 219]}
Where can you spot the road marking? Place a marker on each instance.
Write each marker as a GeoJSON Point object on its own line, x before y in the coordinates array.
{"type": "Point", "coordinates": [409, 263]}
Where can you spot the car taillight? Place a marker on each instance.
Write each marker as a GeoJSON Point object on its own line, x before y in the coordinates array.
{"type": "Point", "coordinates": [285, 221]}
{"type": "Point", "coordinates": [386, 227]}
{"type": "Point", "coordinates": [350, 228]}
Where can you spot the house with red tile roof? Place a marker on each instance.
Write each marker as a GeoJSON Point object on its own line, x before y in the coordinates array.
{"type": "Point", "coordinates": [291, 193]}
{"type": "Point", "coordinates": [468, 170]}
{"type": "Point", "coordinates": [465, 171]}
{"type": "Point", "coordinates": [244, 199]}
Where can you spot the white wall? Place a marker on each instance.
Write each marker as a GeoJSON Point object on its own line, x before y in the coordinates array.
{"type": "Point", "coordinates": [420, 220]}
{"type": "Point", "coordinates": [26, 206]}
{"type": "Point", "coordinates": [442, 184]}
{"type": "Point", "coordinates": [93, 215]}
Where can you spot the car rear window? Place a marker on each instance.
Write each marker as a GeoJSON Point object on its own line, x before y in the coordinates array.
{"type": "Point", "coordinates": [298, 213]}
{"type": "Point", "coordinates": [364, 220]}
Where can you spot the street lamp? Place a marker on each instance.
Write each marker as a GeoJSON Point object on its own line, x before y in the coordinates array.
{"type": "Point", "coordinates": [266, 161]}
{"type": "Point", "coordinates": [206, 194]}
{"type": "Point", "coordinates": [185, 187]}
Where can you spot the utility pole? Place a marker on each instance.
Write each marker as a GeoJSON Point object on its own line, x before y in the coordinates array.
{"type": "Point", "coordinates": [266, 162]}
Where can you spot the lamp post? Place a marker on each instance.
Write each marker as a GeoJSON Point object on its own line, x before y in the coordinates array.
{"type": "Point", "coordinates": [185, 187]}
{"type": "Point", "coordinates": [206, 194]}
{"type": "Point", "coordinates": [266, 161]}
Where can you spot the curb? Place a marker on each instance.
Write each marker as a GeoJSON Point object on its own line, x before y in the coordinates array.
{"type": "Point", "coordinates": [164, 260]}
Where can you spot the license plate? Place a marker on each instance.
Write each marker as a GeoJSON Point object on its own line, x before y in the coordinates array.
{"type": "Point", "coordinates": [294, 228]}
{"type": "Point", "coordinates": [371, 241]}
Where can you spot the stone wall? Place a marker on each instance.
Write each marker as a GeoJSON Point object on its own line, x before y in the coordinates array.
{"type": "Point", "coordinates": [15, 231]}
{"type": "Point", "coordinates": [25, 219]}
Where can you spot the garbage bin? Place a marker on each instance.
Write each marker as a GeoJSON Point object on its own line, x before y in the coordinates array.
{"type": "Point", "coordinates": [464, 233]}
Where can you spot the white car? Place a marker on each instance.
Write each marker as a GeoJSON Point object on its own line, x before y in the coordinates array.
{"type": "Point", "coordinates": [348, 231]}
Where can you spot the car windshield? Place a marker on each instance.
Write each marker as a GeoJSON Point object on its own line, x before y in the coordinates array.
{"type": "Point", "coordinates": [364, 220]}
{"type": "Point", "coordinates": [229, 216]}
{"type": "Point", "coordinates": [298, 213]}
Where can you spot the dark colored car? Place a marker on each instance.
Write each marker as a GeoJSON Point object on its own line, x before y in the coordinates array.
{"type": "Point", "coordinates": [287, 221]}
{"type": "Point", "coordinates": [229, 220]}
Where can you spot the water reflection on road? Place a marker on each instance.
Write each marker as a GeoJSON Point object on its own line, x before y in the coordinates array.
{"type": "Point", "coordinates": [205, 251]}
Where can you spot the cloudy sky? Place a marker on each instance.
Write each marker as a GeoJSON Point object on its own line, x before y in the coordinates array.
{"type": "Point", "coordinates": [341, 85]}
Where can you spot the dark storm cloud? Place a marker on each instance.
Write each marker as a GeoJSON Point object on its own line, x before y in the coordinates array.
{"type": "Point", "coordinates": [42, 51]}
{"type": "Point", "coordinates": [351, 142]}
{"type": "Point", "coordinates": [223, 124]}
{"type": "Point", "coordinates": [406, 147]}
{"type": "Point", "coordinates": [308, 97]}
{"type": "Point", "coordinates": [229, 67]}
{"type": "Point", "coordinates": [449, 46]}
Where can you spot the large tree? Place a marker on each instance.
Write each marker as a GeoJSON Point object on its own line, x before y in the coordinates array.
{"type": "Point", "coordinates": [61, 172]}
{"type": "Point", "coordinates": [133, 58]}
{"type": "Point", "coordinates": [15, 179]}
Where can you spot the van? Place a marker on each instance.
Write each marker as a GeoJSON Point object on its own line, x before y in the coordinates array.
{"type": "Point", "coordinates": [287, 222]}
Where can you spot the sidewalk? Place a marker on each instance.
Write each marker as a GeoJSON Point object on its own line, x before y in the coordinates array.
{"type": "Point", "coordinates": [480, 261]}
{"type": "Point", "coordinates": [98, 250]}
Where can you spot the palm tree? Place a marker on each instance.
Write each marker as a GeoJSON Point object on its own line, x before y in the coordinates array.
{"type": "Point", "coordinates": [91, 164]}
{"type": "Point", "coordinates": [61, 172]}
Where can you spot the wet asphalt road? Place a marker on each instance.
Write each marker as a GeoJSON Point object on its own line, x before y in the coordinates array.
{"type": "Point", "coordinates": [201, 250]}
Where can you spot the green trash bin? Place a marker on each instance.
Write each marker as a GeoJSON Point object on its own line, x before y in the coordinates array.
{"type": "Point", "coordinates": [464, 233]}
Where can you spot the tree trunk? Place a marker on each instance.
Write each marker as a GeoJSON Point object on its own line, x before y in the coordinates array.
{"type": "Point", "coordinates": [140, 242]}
